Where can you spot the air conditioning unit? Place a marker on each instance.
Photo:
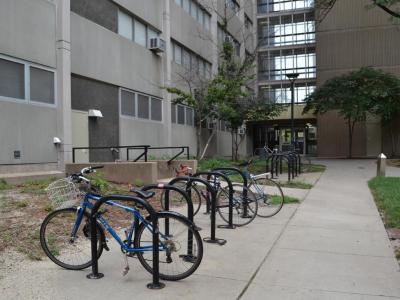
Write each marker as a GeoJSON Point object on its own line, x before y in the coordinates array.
{"type": "Point", "coordinates": [157, 45]}
{"type": "Point", "coordinates": [228, 39]}
{"type": "Point", "coordinates": [242, 130]}
{"type": "Point", "coordinates": [211, 125]}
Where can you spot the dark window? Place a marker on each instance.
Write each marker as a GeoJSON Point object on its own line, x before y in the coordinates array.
{"type": "Point", "coordinates": [156, 109]}
{"type": "Point", "coordinates": [42, 85]}
{"type": "Point", "coordinates": [173, 113]}
{"type": "Point", "coordinates": [143, 107]}
{"type": "Point", "coordinates": [181, 114]}
{"type": "Point", "coordinates": [189, 116]}
{"type": "Point", "coordinates": [127, 103]}
{"type": "Point", "coordinates": [12, 79]}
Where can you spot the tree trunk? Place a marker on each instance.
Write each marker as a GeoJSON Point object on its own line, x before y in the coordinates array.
{"type": "Point", "coordinates": [207, 144]}
{"type": "Point", "coordinates": [392, 138]}
{"type": "Point", "coordinates": [350, 139]}
{"type": "Point", "coordinates": [198, 139]}
{"type": "Point", "coordinates": [351, 125]}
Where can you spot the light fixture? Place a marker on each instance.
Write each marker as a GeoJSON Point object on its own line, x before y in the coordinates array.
{"type": "Point", "coordinates": [56, 141]}
{"type": "Point", "coordinates": [94, 113]}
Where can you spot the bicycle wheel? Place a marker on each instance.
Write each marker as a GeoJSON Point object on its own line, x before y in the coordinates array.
{"type": "Point", "coordinates": [240, 215]}
{"type": "Point", "coordinates": [176, 199]}
{"type": "Point", "coordinates": [269, 196]}
{"type": "Point", "coordinates": [73, 253]}
{"type": "Point", "coordinates": [175, 263]}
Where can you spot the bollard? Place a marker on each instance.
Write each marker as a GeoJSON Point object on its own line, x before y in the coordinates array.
{"type": "Point", "coordinates": [381, 165]}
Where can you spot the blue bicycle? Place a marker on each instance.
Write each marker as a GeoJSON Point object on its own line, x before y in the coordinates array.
{"type": "Point", "coordinates": [65, 232]}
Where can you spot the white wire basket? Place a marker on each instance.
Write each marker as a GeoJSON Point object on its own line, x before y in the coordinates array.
{"type": "Point", "coordinates": [63, 193]}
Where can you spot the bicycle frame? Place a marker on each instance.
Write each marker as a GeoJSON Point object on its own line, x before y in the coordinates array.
{"type": "Point", "coordinates": [137, 218]}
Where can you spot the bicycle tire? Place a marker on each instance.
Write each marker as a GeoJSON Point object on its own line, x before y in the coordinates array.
{"type": "Point", "coordinates": [238, 218]}
{"type": "Point", "coordinates": [50, 241]}
{"type": "Point", "coordinates": [146, 257]}
{"type": "Point", "coordinates": [196, 198]}
{"type": "Point", "coordinates": [269, 204]}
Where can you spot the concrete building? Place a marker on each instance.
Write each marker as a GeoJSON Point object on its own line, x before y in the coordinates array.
{"type": "Point", "coordinates": [64, 61]}
{"type": "Point", "coordinates": [349, 37]}
{"type": "Point", "coordinates": [286, 45]}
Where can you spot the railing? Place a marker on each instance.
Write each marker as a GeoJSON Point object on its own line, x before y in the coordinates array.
{"type": "Point", "coordinates": [115, 149]}
{"type": "Point", "coordinates": [144, 154]}
{"type": "Point", "coordinates": [183, 148]}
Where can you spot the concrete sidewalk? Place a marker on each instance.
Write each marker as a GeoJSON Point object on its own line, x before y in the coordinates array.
{"type": "Point", "coordinates": [332, 246]}
{"type": "Point", "coordinates": [335, 246]}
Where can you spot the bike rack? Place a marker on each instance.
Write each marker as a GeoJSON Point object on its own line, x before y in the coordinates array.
{"type": "Point", "coordinates": [155, 284]}
{"type": "Point", "coordinates": [210, 192]}
{"type": "Point", "coordinates": [245, 183]}
{"type": "Point", "coordinates": [230, 186]}
{"type": "Point", "coordinates": [167, 188]}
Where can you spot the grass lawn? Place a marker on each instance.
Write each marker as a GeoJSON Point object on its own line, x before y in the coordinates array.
{"type": "Point", "coordinates": [386, 191]}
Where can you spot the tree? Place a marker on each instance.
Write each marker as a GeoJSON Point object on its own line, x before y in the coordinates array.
{"type": "Point", "coordinates": [195, 94]}
{"type": "Point", "coordinates": [387, 104]}
{"type": "Point", "coordinates": [391, 7]}
{"type": "Point", "coordinates": [355, 95]}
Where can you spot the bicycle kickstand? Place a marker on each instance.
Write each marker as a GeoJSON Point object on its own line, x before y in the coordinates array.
{"type": "Point", "coordinates": [126, 269]}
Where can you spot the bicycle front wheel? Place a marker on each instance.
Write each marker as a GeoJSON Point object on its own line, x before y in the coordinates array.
{"type": "Point", "coordinates": [70, 251]}
{"type": "Point", "coordinates": [178, 258]}
{"type": "Point", "coordinates": [243, 212]}
{"type": "Point", "coordinates": [269, 196]}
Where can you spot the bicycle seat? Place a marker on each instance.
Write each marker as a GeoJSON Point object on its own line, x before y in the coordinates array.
{"type": "Point", "coordinates": [245, 164]}
{"type": "Point", "coordinates": [142, 194]}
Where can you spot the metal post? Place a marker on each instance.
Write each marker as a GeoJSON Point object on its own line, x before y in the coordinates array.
{"type": "Point", "coordinates": [292, 77]}
{"type": "Point", "coordinates": [93, 238]}
{"type": "Point", "coordinates": [381, 165]}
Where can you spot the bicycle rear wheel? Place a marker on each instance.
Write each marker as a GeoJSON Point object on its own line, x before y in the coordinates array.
{"type": "Point", "coordinates": [176, 199]}
{"type": "Point", "coordinates": [176, 261]}
{"type": "Point", "coordinates": [269, 196]}
{"type": "Point", "coordinates": [241, 214]}
{"type": "Point", "coordinates": [67, 251]}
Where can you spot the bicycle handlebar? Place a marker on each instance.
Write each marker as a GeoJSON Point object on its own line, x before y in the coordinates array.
{"type": "Point", "coordinates": [87, 170]}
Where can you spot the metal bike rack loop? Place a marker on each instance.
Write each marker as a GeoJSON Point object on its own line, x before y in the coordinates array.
{"type": "Point", "coordinates": [167, 188]}
{"type": "Point", "coordinates": [230, 195]}
{"type": "Point", "coordinates": [210, 192]}
{"type": "Point", "coordinates": [155, 284]}
{"type": "Point", "coordinates": [245, 184]}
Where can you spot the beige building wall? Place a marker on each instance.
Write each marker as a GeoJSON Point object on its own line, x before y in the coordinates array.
{"type": "Point", "coordinates": [352, 36]}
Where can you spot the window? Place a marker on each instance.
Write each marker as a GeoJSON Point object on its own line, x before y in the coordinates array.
{"type": "Point", "coordinates": [186, 59]}
{"type": "Point", "coordinates": [173, 113]}
{"type": "Point", "coordinates": [140, 33]}
{"type": "Point", "coordinates": [181, 114]}
{"type": "Point", "coordinates": [125, 26]}
{"type": "Point", "coordinates": [281, 93]}
{"type": "Point", "coordinates": [134, 30]}
{"type": "Point", "coordinates": [23, 81]}
{"type": "Point", "coordinates": [186, 5]}
{"type": "Point", "coordinates": [177, 54]}
{"type": "Point", "coordinates": [156, 109]}
{"type": "Point", "coordinates": [12, 79]}
{"type": "Point", "coordinates": [41, 85]}
{"type": "Point", "coordinates": [151, 33]}
{"type": "Point", "coordinates": [127, 103]}
{"type": "Point", "coordinates": [143, 106]}
{"type": "Point", "coordinates": [189, 116]}
{"type": "Point", "coordinates": [233, 5]}
{"type": "Point", "coordinates": [266, 6]}
{"type": "Point", "coordinates": [196, 11]}
{"type": "Point", "coordinates": [193, 9]}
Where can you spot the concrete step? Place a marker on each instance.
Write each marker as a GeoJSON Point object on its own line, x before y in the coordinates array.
{"type": "Point", "coordinates": [17, 178]}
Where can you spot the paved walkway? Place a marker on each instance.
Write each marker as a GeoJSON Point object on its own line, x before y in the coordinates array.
{"type": "Point", "coordinates": [332, 246]}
